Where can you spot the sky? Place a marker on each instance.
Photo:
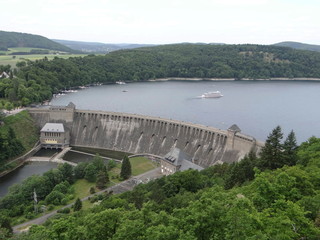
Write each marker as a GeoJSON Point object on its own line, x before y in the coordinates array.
{"type": "Point", "coordinates": [166, 21]}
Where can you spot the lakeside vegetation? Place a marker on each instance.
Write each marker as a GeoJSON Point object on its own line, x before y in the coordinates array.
{"type": "Point", "coordinates": [18, 134]}
{"type": "Point", "coordinates": [36, 81]}
{"type": "Point", "coordinates": [281, 201]}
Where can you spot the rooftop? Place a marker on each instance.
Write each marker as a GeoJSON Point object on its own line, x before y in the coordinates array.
{"type": "Point", "coordinates": [175, 156]}
{"type": "Point", "coordinates": [234, 128]}
{"type": "Point", "coordinates": [53, 127]}
{"type": "Point", "coordinates": [179, 158]}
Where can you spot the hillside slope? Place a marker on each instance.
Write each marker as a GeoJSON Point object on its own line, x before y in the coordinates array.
{"type": "Point", "coordinates": [190, 61]}
{"type": "Point", "coordinates": [298, 45]}
{"type": "Point", "coordinates": [96, 47]}
{"type": "Point", "coordinates": [15, 39]}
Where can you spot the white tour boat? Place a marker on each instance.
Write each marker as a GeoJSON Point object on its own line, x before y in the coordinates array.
{"type": "Point", "coordinates": [120, 82]}
{"type": "Point", "coordinates": [215, 94]}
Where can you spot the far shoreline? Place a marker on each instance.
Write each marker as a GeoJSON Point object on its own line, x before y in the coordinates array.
{"type": "Point", "coordinates": [231, 79]}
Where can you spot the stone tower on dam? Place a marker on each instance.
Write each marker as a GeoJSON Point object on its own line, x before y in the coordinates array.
{"type": "Point", "coordinates": [143, 134]}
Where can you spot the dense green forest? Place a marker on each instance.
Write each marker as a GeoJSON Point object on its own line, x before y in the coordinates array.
{"type": "Point", "coordinates": [18, 134]}
{"type": "Point", "coordinates": [15, 39]}
{"type": "Point", "coordinates": [280, 200]}
{"type": "Point", "coordinates": [37, 81]}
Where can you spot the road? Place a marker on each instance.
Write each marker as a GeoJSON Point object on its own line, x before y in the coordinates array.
{"type": "Point", "coordinates": [116, 189]}
{"type": "Point", "coordinates": [13, 112]}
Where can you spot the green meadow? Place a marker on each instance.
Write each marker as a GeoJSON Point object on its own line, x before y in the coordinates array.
{"type": "Point", "coordinates": [11, 60]}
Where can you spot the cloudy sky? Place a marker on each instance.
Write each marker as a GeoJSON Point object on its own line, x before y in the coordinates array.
{"type": "Point", "coordinates": [166, 21]}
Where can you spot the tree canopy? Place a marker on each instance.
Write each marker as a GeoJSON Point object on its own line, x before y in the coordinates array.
{"type": "Point", "coordinates": [282, 203]}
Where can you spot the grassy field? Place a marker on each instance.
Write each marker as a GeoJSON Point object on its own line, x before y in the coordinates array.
{"type": "Point", "coordinates": [23, 49]}
{"type": "Point", "coordinates": [82, 188]}
{"type": "Point", "coordinates": [141, 165]}
{"type": "Point", "coordinates": [13, 59]}
{"type": "Point", "coordinates": [9, 60]}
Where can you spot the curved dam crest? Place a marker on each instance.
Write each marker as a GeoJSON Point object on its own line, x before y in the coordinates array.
{"type": "Point", "coordinates": [144, 134]}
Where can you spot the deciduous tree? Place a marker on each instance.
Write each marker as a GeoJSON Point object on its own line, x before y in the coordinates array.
{"type": "Point", "coordinates": [102, 179]}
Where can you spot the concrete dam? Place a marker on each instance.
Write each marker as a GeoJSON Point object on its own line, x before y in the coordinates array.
{"type": "Point", "coordinates": [140, 134]}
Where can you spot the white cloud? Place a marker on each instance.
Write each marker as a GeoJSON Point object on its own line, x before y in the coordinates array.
{"type": "Point", "coordinates": [147, 21]}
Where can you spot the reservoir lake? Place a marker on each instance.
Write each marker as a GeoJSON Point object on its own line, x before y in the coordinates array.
{"type": "Point", "coordinates": [255, 106]}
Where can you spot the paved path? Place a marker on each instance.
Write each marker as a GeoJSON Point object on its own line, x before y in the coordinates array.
{"type": "Point", "coordinates": [145, 155]}
{"type": "Point", "coordinates": [14, 111]}
{"type": "Point", "coordinates": [76, 151]}
{"type": "Point", "coordinates": [116, 189]}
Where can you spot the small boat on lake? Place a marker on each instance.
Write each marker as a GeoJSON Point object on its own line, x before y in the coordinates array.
{"type": "Point", "coordinates": [120, 82]}
{"type": "Point", "coordinates": [216, 94]}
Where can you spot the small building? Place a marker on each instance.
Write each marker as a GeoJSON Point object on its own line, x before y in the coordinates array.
{"type": "Point", "coordinates": [177, 160]}
{"type": "Point", "coordinates": [54, 135]}
{"type": "Point", "coordinates": [4, 75]}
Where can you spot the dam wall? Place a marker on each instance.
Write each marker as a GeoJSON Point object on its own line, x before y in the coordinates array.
{"type": "Point", "coordinates": [144, 134]}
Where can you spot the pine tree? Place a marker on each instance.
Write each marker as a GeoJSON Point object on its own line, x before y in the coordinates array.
{"type": "Point", "coordinates": [271, 155]}
{"type": "Point", "coordinates": [290, 150]}
{"type": "Point", "coordinates": [77, 205]}
{"type": "Point", "coordinates": [125, 168]}
{"type": "Point", "coordinates": [102, 179]}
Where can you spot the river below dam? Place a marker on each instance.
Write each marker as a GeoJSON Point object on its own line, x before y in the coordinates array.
{"type": "Point", "coordinates": [255, 106]}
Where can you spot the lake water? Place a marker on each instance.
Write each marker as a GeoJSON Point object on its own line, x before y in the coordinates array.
{"type": "Point", "coordinates": [255, 106]}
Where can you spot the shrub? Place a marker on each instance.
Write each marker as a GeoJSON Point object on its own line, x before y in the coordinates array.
{"type": "Point", "coordinates": [64, 210]}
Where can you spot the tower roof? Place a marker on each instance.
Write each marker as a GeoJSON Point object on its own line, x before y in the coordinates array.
{"type": "Point", "coordinates": [71, 105]}
{"type": "Point", "coordinates": [234, 128]}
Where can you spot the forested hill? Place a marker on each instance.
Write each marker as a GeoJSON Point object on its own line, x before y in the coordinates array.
{"type": "Point", "coordinates": [96, 47]}
{"type": "Point", "coordinates": [15, 39]}
{"type": "Point", "coordinates": [297, 45]}
{"type": "Point", "coordinates": [180, 60]}
{"type": "Point", "coordinates": [186, 61]}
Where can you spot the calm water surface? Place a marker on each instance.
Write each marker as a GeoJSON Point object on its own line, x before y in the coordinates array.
{"type": "Point", "coordinates": [255, 106]}
{"type": "Point", "coordinates": [22, 173]}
